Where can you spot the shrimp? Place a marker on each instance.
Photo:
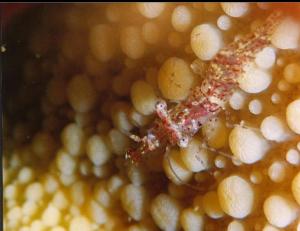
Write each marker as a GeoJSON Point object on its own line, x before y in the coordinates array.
{"type": "Point", "coordinates": [177, 125]}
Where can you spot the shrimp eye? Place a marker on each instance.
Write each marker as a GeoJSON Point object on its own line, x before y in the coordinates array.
{"type": "Point", "coordinates": [183, 142]}
{"type": "Point", "coordinates": [160, 105]}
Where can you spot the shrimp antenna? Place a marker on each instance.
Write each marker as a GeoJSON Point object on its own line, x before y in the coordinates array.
{"type": "Point", "coordinates": [205, 146]}
{"type": "Point", "coordinates": [178, 178]}
{"type": "Point", "coordinates": [243, 125]}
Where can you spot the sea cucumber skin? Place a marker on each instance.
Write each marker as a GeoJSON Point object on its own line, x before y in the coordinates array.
{"type": "Point", "coordinates": [178, 124]}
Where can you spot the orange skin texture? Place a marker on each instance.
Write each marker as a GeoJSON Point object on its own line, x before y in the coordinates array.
{"type": "Point", "coordinates": [180, 123]}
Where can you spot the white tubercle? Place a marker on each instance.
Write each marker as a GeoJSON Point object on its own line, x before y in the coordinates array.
{"type": "Point", "coordinates": [237, 100]}
{"type": "Point", "coordinates": [151, 10]}
{"type": "Point", "coordinates": [151, 32]}
{"type": "Point", "coordinates": [296, 187]}
{"type": "Point", "coordinates": [292, 156]}
{"type": "Point", "coordinates": [255, 106]}
{"type": "Point", "coordinates": [254, 80]}
{"type": "Point", "coordinates": [276, 98]}
{"type": "Point", "coordinates": [235, 9]}
{"type": "Point", "coordinates": [280, 211]}
{"type": "Point", "coordinates": [280, 62]}
{"type": "Point", "coordinates": [236, 196]}
{"type": "Point", "coordinates": [211, 205]}
{"type": "Point", "coordinates": [263, 5]}
{"type": "Point", "coordinates": [220, 161]}
{"type": "Point", "coordinates": [210, 6]}
{"type": "Point", "coordinates": [224, 22]}
{"type": "Point", "coordinates": [256, 177]}
{"type": "Point", "coordinates": [131, 42]}
{"type": "Point", "coordinates": [291, 73]}
{"type": "Point", "coordinates": [165, 212]}
{"type": "Point", "coordinates": [206, 41]}
{"type": "Point", "coordinates": [236, 225]}
{"type": "Point", "coordinates": [286, 35]}
{"type": "Point", "coordinates": [191, 219]}
{"type": "Point", "coordinates": [247, 145]}
{"type": "Point", "coordinates": [269, 227]}
{"type": "Point", "coordinates": [266, 58]}
{"type": "Point", "coordinates": [181, 18]}
{"type": "Point", "coordinates": [283, 85]}
{"type": "Point", "coordinates": [293, 115]}
{"type": "Point", "coordinates": [273, 128]}
{"type": "Point", "coordinates": [102, 42]}
{"type": "Point", "coordinates": [277, 171]}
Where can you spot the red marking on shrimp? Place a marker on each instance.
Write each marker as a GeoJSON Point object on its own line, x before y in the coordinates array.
{"type": "Point", "coordinates": [180, 123]}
